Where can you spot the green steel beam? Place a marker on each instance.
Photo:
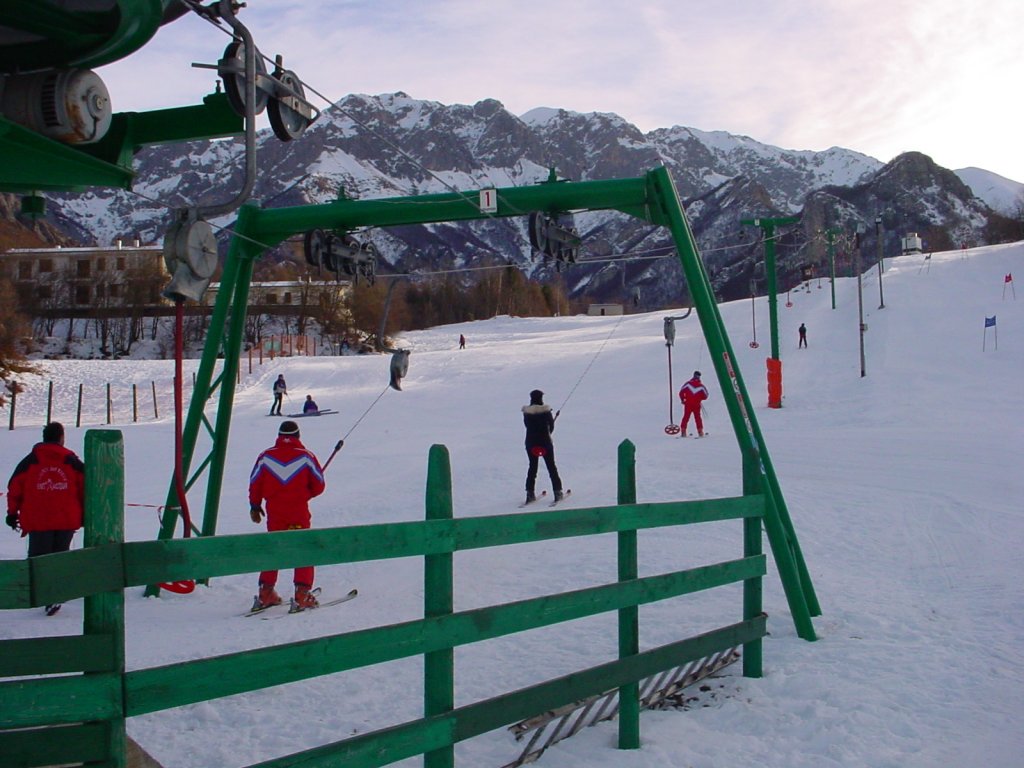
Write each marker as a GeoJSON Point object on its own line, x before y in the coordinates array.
{"type": "Point", "coordinates": [792, 570]}
{"type": "Point", "coordinates": [55, 37]}
{"type": "Point", "coordinates": [652, 197]}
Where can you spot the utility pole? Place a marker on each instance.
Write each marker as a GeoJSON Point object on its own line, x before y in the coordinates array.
{"type": "Point", "coordinates": [830, 235]}
{"type": "Point", "coordinates": [860, 297]}
{"type": "Point", "coordinates": [774, 364]}
{"type": "Point", "coordinates": [880, 234]}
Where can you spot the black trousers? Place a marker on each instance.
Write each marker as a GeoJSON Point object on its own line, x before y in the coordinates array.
{"type": "Point", "coordinates": [549, 462]}
{"type": "Point", "coordinates": [48, 542]}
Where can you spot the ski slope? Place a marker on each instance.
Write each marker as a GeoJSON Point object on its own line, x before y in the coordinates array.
{"type": "Point", "coordinates": [905, 488]}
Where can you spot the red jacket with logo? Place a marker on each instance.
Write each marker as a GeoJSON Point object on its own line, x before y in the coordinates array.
{"type": "Point", "coordinates": [693, 393]}
{"type": "Point", "coordinates": [47, 489]}
{"type": "Point", "coordinates": [287, 476]}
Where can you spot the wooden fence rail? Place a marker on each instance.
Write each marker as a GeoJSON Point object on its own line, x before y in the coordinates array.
{"type": "Point", "coordinates": [94, 704]}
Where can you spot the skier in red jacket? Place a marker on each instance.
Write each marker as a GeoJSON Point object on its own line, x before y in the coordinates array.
{"type": "Point", "coordinates": [693, 393]}
{"type": "Point", "coordinates": [287, 476]}
{"type": "Point", "coordinates": [46, 496]}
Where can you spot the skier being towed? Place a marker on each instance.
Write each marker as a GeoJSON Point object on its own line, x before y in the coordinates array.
{"type": "Point", "coordinates": [540, 423]}
{"type": "Point", "coordinates": [287, 476]}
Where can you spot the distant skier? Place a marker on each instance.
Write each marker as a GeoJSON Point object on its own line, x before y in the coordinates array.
{"type": "Point", "coordinates": [280, 390]}
{"type": "Point", "coordinates": [46, 496]}
{"type": "Point", "coordinates": [309, 408]}
{"type": "Point", "coordinates": [287, 476]}
{"type": "Point", "coordinates": [693, 393]}
{"type": "Point", "coordinates": [802, 330]}
{"type": "Point", "coordinates": [540, 423]}
{"type": "Point", "coordinates": [462, 341]}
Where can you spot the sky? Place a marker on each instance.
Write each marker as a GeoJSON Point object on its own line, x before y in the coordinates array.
{"type": "Point", "coordinates": [877, 76]}
{"type": "Point", "coordinates": [904, 487]}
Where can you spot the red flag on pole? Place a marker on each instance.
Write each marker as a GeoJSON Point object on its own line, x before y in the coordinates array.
{"type": "Point", "coordinates": [1008, 278]}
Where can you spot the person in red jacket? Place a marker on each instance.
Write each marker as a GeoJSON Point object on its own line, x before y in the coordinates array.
{"type": "Point", "coordinates": [287, 476]}
{"type": "Point", "coordinates": [693, 393]}
{"type": "Point", "coordinates": [46, 496]}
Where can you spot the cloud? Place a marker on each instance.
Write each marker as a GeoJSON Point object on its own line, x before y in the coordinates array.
{"type": "Point", "coordinates": [878, 77]}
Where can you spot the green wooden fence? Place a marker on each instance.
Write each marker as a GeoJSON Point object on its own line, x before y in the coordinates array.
{"type": "Point", "coordinates": [48, 716]}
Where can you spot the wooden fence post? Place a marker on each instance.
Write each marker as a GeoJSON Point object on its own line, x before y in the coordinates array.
{"type": "Point", "coordinates": [14, 402]}
{"type": "Point", "coordinates": [439, 666]}
{"type": "Point", "coordinates": [135, 402]}
{"type": "Point", "coordinates": [104, 526]}
{"type": "Point", "coordinates": [629, 618]}
{"type": "Point", "coordinates": [108, 403]}
{"type": "Point", "coordinates": [78, 416]}
{"type": "Point", "coordinates": [49, 402]}
{"type": "Point", "coordinates": [156, 414]}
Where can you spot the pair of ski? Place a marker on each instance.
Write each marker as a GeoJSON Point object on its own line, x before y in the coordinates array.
{"type": "Point", "coordinates": [350, 595]}
{"type": "Point", "coordinates": [565, 495]}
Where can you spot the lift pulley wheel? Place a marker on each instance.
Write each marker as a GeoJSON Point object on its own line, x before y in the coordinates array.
{"type": "Point", "coordinates": [537, 228]}
{"type": "Point", "coordinates": [672, 429]}
{"type": "Point", "coordinates": [192, 243]}
{"type": "Point", "coordinates": [314, 245]}
{"type": "Point", "coordinates": [231, 69]}
{"type": "Point", "coordinates": [289, 112]}
{"type": "Point", "coordinates": [754, 345]}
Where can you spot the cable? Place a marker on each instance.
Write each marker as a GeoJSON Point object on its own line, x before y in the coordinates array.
{"type": "Point", "coordinates": [590, 364]}
{"type": "Point", "coordinates": [352, 429]}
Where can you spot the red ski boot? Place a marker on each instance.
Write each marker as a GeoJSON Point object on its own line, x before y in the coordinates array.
{"type": "Point", "coordinates": [305, 598]}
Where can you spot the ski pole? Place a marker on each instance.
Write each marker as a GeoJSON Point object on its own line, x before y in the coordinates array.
{"type": "Point", "coordinates": [333, 454]}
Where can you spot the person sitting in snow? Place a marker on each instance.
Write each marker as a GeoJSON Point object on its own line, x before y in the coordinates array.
{"type": "Point", "coordinates": [287, 476]}
{"type": "Point", "coordinates": [309, 408]}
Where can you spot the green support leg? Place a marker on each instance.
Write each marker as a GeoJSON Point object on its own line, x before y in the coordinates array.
{"type": "Point", "coordinates": [629, 618]}
{"type": "Point", "coordinates": [104, 526]}
{"type": "Point", "coordinates": [438, 586]}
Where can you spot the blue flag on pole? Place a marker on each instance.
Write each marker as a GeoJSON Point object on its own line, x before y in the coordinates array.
{"type": "Point", "coordinates": [990, 321]}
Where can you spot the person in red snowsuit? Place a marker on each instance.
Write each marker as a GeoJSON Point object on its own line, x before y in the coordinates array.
{"type": "Point", "coordinates": [693, 393]}
{"type": "Point", "coordinates": [46, 496]}
{"type": "Point", "coordinates": [287, 476]}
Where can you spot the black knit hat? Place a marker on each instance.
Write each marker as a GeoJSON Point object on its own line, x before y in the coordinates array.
{"type": "Point", "coordinates": [696, 374]}
{"type": "Point", "coordinates": [536, 397]}
{"type": "Point", "coordinates": [289, 429]}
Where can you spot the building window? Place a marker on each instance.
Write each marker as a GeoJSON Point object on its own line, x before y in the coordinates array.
{"type": "Point", "coordinates": [44, 292]}
{"type": "Point", "coordinates": [84, 268]}
{"type": "Point", "coordinates": [287, 297]}
{"type": "Point", "coordinates": [120, 264]}
{"type": "Point", "coordinates": [114, 291]}
{"type": "Point", "coordinates": [101, 264]}
{"type": "Point", "coordinates": [24, 270]}
{"type": "Point", "coordinates": [82, 292]}
{"type": "Point", "coordinates": [271, 298]}
{"type": "Point", "coordinates": [45, 265]}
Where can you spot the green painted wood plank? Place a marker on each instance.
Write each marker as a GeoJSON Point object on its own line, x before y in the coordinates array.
{"type": "Point", "coordinates": [59, 745]}
{"type": "Point", "coordinates": [391, 744]}
{"type": "Point", "coordinates": [379, 748]}
{"type": "Point", "coordinates": [149, 562]}
{"type": "Point", "coordinates": [57, 700]}
{"type": "Point", "coordinates": [56, 655]}
{"type": "Point", "coordinates": [174, 685]}
{"type": "Point", "coordinates": [65, 576]}
{"type": "Point", "coordinates": [15, 584]}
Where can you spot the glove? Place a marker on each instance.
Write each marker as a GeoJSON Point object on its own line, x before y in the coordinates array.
{"type": "Point", "coordinates": [256, 513]}
{"type": "Point", "coordinates": [12, 520]}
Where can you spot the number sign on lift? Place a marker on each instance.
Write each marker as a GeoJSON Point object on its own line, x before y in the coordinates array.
{"type": "Point", "coordinates": [488, 201]}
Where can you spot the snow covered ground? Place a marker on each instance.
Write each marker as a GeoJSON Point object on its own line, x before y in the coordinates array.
{"type": "Point", "coordinates": [905, 488]}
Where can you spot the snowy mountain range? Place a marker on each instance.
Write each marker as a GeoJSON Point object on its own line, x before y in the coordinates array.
{"type": "Point", "coordinates": [393, 145]}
